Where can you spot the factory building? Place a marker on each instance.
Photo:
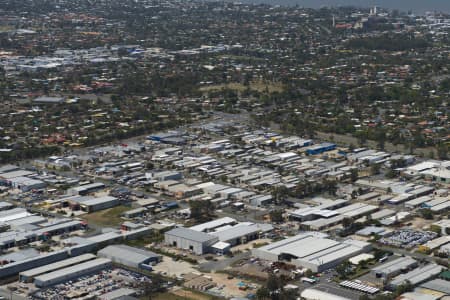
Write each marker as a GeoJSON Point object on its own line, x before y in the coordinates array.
{"type": "Point", "coordinates": [241, 233]}
{"type": "Point", "coordinates": [311, 250]}
{"type": "Point", "coordinates": [130, 257]}
{"type": "Point", "coordinates": [417, 276]}
{"type": "Point", "coordinates": [314, 294]}
{"type": "Point", "coordinates": [29, 275]}
{"type": "Point", "coordinates": [72, 272]}
{"type": "Point", "coordinates": [188, 239]}
{"type": "Point", "coordinates": [394, 267]}
{"type": "Point", "coordinates": [96, 204]}
{"type": "Point", "coordinates": [33, 262]}
{"type": "Point", "coordinates": [92, 204]}
{"type": "Point", "coordinates": [86, 189]}
{"type": "Point", "coordinates": [320, 148]}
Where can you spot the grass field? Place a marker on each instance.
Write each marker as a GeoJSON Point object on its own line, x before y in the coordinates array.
{"type": "Point", "coordinates": [107, 217]}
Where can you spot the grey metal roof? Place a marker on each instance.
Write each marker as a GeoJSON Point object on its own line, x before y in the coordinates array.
{"type": "Point", "coordinates": [124, 252]}
{"type": "Point", "coordinates": [394, 265]}
{"type": "Point", "coordinates": [73, 269]}
{"type": "Point", "coordinates": [439, 285]}
{"type": "Point", "coordinates": [58, 265]}
{"type": "Point", "coordinates": [190, 234]}
{"type": "Point", "coordinates": [99, 200]}
{"type": "Point", "coordinates": [418, 275]}
{"type": "Point", "coordinates": [241, 230]}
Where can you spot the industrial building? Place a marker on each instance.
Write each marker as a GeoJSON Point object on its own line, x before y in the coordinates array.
{"type": "Point", "coordinates": [188, 239]}
{"type": "Point", "coordinates": [241, 233]}
{"type": "Point", "coordinates": [86, 189]}
{"type": "Point", "coordinates": [314, 294]}
{"type": "Point", "coordinates": [72, 272]}
{"type": "Point", "coordinates": [438, 285]}
{"type": "Point", "coordinates": [91, 204]}
{"type": "Point", "coordinates": [320, 148]}
{"type": "Point", "coordinates": [96, 204]}
{"type": "Point", "coordinates": [417, 276]}
{"type": "Point", "coordinates": [129, 256]}
{"type": "Point", "coordinates": [49, 100]}
{"type": "Point", "coordinates": [33, 262]}
{"type": "Point", "coordinates": [394, 267]}
{"type": "Point", "coordinates": [29, 275]}
{"type": "Point", "coordinates": [311, 250]}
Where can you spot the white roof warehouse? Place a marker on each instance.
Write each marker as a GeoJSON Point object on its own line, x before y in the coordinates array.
{"type": "Point", "coordinates": [311, 250]}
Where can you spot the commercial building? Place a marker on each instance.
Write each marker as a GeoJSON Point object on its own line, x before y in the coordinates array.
{"type": "Point", "coordinates": [188, 239]}
{"type": "Point", "coordinates": [311, 250]}
{"type": "Point", "coordinates": [129, 256]}
{"type": "Point", "coordinates": [72, 272]}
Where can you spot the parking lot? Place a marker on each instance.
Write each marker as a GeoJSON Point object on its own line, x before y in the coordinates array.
{"type": "Point", "coordinates": [407, 238]}
{"type": "Point", "coordinates": [94, 285]}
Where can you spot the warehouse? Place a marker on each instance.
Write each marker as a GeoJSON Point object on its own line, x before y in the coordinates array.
{"type": "Point", "coordinates": [321, 224]}
{"type": "Point", "coordinates": [13, 214]}
{"type": "Point", "coordinates": [384, 213]}
{"type": "Point", "coordinates": [321, 148]}
{"type": "Point", "coordinates": [213, 225]}
{"type": "Point", "coordinates": [60, 228]}
{"type": "Point", "coordinates": [5, 205]}
{"type": "Point", "coordinates": [86, 189]}
{"type": "Point", "coordinates": [49, 100]}
{"type": "Point", "coordinates": [29, 275]}
{"type": "Point", "coordinates": [72, 272]}
{"type": "Point", "coordinates": [394, 267]}
{"type": "Point", "coordinates": [129, 256]}
{"type": "Point", "coordinates": [26, 184]}
{"type": "Point", "coordinates": [311, 250]}
{"type": "Point", "coordinates": [6, 177]}
{"type": "Point", "coordinates": [188, 239]}
{"type": "Point", "coordinates": [242, 233]}
{"type": "Point", "coordinates": [137, 212]}
{"type": "Point", "coordinates": [314, 294]}
{"type": "Point", "coordinates": [417, 202]}
{"type": "Point", "coordinates": [438, 285]}
{"type": "Point", "coordinates": [356, 210]}
{"type": "Point", "coordinates": [435, 243]}
{"type": "Point", "coordinates": [324, 210]}
{"type": "Point", "coordinates": [17, 267]}
{"type": "Point", "coordinates": [100, 203]}
{"type": "Point", "coordinates": [417, 276]}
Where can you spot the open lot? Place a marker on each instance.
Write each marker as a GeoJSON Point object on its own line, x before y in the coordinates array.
{"type": "Point", "coordinates": [173, 268]}
{"type": "Point", "coordinates": [107, 217]}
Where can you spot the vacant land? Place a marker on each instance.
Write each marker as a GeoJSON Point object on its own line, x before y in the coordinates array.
{"type": "Point", "coordinates": [107, 217]}
{"type": "Point", "coordinates": [182, 294]}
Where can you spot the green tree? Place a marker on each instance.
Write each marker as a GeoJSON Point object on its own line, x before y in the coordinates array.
{"type": "Point", "coordinates": [276, 215]}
